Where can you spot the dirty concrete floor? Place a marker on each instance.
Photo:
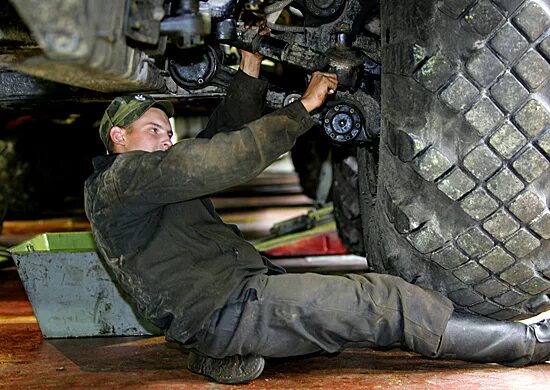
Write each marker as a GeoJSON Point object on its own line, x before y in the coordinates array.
{"type": "Point", "coordinates": [27, 361]}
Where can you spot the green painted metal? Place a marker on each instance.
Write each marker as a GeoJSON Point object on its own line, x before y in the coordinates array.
{"type": "Point", "coordinates": [314, 222]}
{"type": "Point", "coordinates": [58, 242]}
{"type": "Point", "coordinates": [312, 218]}
{"type": "Point", "coordinates": [71, 292]}
{"type": "Point", "coordinates": [271, 242]}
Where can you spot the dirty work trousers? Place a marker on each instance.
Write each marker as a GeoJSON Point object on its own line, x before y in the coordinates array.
{"type": "Point", "coordinates": [298, 314]}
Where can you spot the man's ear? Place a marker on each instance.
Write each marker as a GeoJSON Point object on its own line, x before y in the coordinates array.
{"type": "Point", "coordinates": [118, 136]}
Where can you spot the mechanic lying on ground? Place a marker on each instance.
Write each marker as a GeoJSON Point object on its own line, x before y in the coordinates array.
{"type": "Point", "coordinates": [197, 278]}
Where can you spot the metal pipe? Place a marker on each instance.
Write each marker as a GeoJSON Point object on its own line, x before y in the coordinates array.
{"type": "Point", "coordinates": [339, 263]}
{"type": "Point", "coordinates": [280, 50]}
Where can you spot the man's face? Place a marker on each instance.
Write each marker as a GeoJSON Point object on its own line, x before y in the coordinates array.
{"type": "Point", "coordinates": [151, 132]}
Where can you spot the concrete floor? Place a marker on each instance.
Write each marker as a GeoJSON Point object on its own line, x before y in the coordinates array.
{"type": "Point", "coordinates": [27, 361]}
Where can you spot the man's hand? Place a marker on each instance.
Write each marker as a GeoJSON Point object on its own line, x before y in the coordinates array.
{"type": "Point", "coordinates": [320, 85]}
{"type": "Point", "coordinates": [252, 62]}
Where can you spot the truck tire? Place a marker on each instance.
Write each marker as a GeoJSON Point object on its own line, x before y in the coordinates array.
{"type": "Point", "coordinates": [308, 154]}
{"type": "Point", "coordinates": [41, 171]}
{"type": "Point", "coordinates": [346, 200]}
{"type": "Point", "coordinates": [14, 187]}
{"type": "Point", "coordinates": [464, 171]}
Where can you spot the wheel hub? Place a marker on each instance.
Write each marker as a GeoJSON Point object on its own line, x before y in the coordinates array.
{"type": "Point", "coordinates": [343, 122]}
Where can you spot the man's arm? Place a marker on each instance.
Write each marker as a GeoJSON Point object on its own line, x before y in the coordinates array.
{"type": "Point", "coordinates": [197, 167]}
{"type": "Point", "coordinates": [244, 101]}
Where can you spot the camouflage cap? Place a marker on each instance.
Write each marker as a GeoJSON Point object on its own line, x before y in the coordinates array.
{"type": "Point", "coordinates": [125, 110]}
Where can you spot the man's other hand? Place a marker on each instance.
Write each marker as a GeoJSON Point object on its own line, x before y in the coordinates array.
{"type": "Point", "coordinates": [320, 85]}
{"type": "Point", "coordinates": [251, 62]}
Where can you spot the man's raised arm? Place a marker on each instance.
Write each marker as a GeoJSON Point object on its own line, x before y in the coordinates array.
{"type": "Point", "coordinates": [244, 101]}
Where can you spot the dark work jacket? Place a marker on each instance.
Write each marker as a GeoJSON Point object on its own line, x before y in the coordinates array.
{"type": "Point", "coordinates": [157, 232]}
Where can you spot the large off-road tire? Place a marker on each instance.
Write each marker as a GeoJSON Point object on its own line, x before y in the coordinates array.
{"type": "Point", "coordinates": [308, 155]}
{"type": "Point", "coordinates": [310, 152]}
{"type": "Point", "coordinates": [41, 170]}
{"type": "Point", "coordinates": [464, 174]}
{"type": "Point", "coordinates": [14, 179]}
{"type": "Point", "coordinates": [346, 200]}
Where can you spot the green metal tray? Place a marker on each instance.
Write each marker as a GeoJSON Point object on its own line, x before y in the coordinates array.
{"type": "Point", "coordinates": [71, 292]}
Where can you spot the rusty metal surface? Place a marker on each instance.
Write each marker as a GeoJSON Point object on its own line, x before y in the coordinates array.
{"type": "Point", "coordinates": [27, 361]}
{"type": "Point", "coordinates": [83, 45]}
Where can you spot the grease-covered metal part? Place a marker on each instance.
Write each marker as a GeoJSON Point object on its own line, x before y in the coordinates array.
{"type": "Point", "coordinates": [225, 30]}
{"type": "Point", "coordinates": [143, 20]}
{"type": "Point", "coordinates": [317, 12]}
{"type": "Point", "coordinates": [344, 123]}
{"type": "Point", "coordinates": [199, 67]}
{"type": "Point", "coordinates": [324, 8]}
{"type": "Point", "coordinates": [346, 62]}
{"type": "Point", "coordinates": [291, 98]}
{"type": "Point", "coordinates": [75, 52]}
{"type": "Point", "coordinates": [70, 49]}
{"type": "Point", "coordinates": [189, 27]}
{"type": "Point", "coordinates": [194, 67]}
{"type": "Point", "coordinates": [281, 50]}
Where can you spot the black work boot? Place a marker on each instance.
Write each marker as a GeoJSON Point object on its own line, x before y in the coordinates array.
{"type": "Point", "coordinates": [480, 339]}
{"type": "Point", "coordinates": [229, 370]}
